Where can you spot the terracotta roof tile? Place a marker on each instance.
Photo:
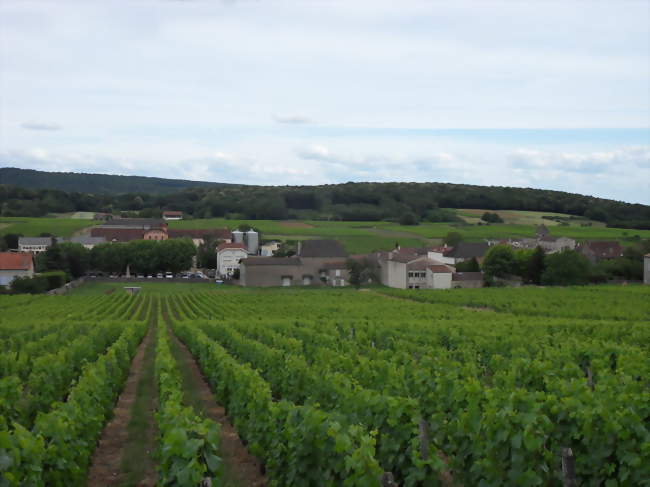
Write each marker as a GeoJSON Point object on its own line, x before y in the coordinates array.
{"type": "Point", "coordinates": [16, 261]}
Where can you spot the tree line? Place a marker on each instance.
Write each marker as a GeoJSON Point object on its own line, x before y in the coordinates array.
{"type": "Point", "coordinates": [408, 203]}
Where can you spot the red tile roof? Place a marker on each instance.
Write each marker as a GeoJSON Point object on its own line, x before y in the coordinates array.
{"type": "Point", "coordinates": [225, 245]}
{"type": "Point", "coordinates": [16, 261]}
{"type": "Point", "coordinates": [173, 213]}
{"type": "Point", "coordinates": [604, 249]}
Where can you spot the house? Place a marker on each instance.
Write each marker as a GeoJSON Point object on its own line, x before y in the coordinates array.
{"type": "Point", "coordinates": [315, 253]}
{"type": "Point", "coordinates": [35, 245]}
{"type": "Point", "coordinates": [467, 279]}
{"type": "Point", "coordinates": [273, 271]}
{"type": "Point", "coordinates": [408, 269]}
{"type": "Point", "coordinates": [646, 269]}
{"type": "Point", "coordinates": [15, 264]}
{"type": "Point", "coordinates": [551, 245]}
{"type": "Point", "coordinates": [269, 248]}
{"type": "Point", "coordinates": [172, 215]}
{"type": "Point", "coordinates": [155, 234]}
{"type": "Point", "coordinates": [117, 234]}
{"type": "Point", "coordinates": [335, 273]}
{"type": "Point", "coordinates": [439, 276]}
{"type": "Point", "coordinates": [317, 263]}
{"type": "Point", "coordinates": [597, 250]}
{"type": "Point", "coordinates": [229, 256]}
{"type": "Point", "coordinates": [467, 251]}
{"type": "Point", "coordinates": [127, 229]}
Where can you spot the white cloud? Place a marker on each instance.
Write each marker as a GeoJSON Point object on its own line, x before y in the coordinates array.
{"type": "Point", "coordinates": [291, 119]}
{"type": "Point", "coordinates": [40, 126]}
{"type": "Point", "coordinates": [615, 161]}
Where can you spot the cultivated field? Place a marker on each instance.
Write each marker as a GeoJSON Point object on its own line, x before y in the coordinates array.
{"type": "Point", "coordinates": [325, 387]}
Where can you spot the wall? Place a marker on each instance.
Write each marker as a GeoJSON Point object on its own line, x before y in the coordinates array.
{"type": "Point", "coordinates": [396, 274]}
{"type": "Point", "coordinates": [438, 280]}
{"type": "Point", "coordinates": [271, 275]}
{"type": "Point", "coordinates": [7, 276]}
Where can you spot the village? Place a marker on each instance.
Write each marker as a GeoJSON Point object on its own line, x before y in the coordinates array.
{"type": "Point", "coordinates": [244, 258]}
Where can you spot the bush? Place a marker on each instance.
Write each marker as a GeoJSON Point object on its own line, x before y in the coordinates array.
{"type": "Point", "coordinates": [29, 285]}
{"type": "Point", "coordinates": [55, 279]}
{"type": "Point", "coordinates": [408, 218]}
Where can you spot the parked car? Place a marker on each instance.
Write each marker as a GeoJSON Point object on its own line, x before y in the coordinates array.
{"type": "Point", "coordinates": [218, 281]}
{"type": "Point", "coordinates": [149, 276]}
{"type": "Point", "coordinates": [160, 275]}
{"type": "Point", "coordinates": [200, 275]}
{"type": "Point", "coordinates": [140, 276]}
{"type": "Point", "coordinates": [169, 275]}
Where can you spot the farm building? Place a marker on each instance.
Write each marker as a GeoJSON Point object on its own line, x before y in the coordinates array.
{"type": "Point", "coordinates": [15, 264]}
{"type": "Point", "coordinates": [598, 250]}
{"type": "Point", "coordinates": [229, 256]}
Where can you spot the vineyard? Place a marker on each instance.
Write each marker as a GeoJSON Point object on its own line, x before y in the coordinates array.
{"type": "Point", "coordinates": [527, 387]}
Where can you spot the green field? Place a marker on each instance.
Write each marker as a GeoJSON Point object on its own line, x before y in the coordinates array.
{"type": "Point", "coordinates": [33, 227]}
{"type": "Point", "coordinates": [357, 237]}
{"type": "Point", "coordinates": [325, 386]}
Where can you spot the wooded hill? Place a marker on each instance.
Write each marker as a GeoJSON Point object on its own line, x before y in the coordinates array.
{"type": "Point", "coordinates": [96, 183]}
{"type": "Point", "coordinates": [404, 202]}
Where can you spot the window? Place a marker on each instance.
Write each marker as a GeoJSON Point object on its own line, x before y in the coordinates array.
{"type": "Point", "coordinates": [338, 272]}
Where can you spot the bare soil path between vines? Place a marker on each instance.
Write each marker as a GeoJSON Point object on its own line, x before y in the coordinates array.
{"type": "Point", "coordinates": [124, 455]}
{"type": "Point", "coordinates": [241, 468]}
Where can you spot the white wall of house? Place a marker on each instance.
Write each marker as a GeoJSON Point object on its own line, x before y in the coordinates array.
{"type": "Point", "coordinates": [396, 274]}
{"type": "Point", "coordinates": [228, 260]}
{"type": "Point", "coordinates": [439, 256]}
{"type": "Point", "coordinates": [36, 249]}
{"type": "Point", "coordinates": [416, 279]}
{"type": "Point", "coordinates": [438, 280]}
{"type": "Point", "coordinates": [6, 276]}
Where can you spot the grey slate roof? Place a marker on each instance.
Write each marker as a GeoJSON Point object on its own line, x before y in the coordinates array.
{"type": "Point", "coordinates": [467, 250]}
{"type": "Point", "coordinates": [467, 276]}
{"type": "Point", "coordinates": [271, 261]}
{"type": "Point", "coordinates": [322, 248]}
{"type": "Point", "coordinates": [34, 241]}
{"type": "Point", "coordinates": [88, 240]}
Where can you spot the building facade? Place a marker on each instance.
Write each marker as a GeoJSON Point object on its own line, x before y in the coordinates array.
{"type": "Point", "coordinates": [229, 257]}
{"type": "Point", "coordinates": [15, 264]}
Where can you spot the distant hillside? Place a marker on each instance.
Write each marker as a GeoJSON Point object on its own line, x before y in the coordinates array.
{"type": "Point", "coordinates": [408, 203]}
{"type": "Point", "coordinates": [96, 183]}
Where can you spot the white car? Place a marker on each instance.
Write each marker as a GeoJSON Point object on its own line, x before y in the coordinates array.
{"type": "Point", "coordinates": [169, 275]}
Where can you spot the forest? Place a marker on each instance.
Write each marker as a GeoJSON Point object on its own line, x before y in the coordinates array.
{"type": "Point", "coordinates": [408, 203]}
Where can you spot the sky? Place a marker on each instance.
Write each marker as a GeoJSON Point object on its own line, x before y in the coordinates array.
{"type": "Point", "coordinates": [544, 94]}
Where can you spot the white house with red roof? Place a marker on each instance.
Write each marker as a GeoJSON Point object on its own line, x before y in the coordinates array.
{"type": "Point", "coordinates": [229, 256]}
{"type": "Point", "coordinates": [15, 264]}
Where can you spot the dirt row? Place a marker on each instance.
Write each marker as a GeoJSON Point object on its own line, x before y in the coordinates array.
{"type": "Point", "coordinates": [125, 453]}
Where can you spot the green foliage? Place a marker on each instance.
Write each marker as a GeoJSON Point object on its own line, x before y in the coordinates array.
{"type": "Point", "coordinates": [499, 262]}
{"type": "Point", "coordinates": [408, 218]}
{"type": "Point", "coordinates": [471, 265]}
{"type": "Point", "coordinates": [453, 238]}
{"type": "Point", "coordinates": [29, 285]}
{"type": "Point", "coordinates": [491, 217]}
{"type": "Point", "coordinates": [144, 256]}
{"type": "Point", "coordinates": [55, 279]}
{"type": "Point", "coordinates": [349, 201]}
{"type": "Point", "coordinates": [188, 446]}
{"type": "Point", "coordinates": [566, 268]}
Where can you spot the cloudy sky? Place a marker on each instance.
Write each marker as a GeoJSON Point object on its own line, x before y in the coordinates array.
{"type": "Point", "coordinates": [546, 94]}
